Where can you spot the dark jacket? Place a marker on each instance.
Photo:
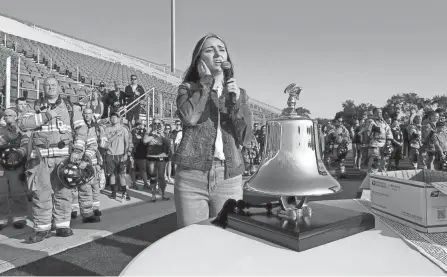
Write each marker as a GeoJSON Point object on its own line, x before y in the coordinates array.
{"type": "Point", "coordinates": [129, 95]}
{"type": "Point", "coordinates": [158, 147]}
{"type": "Point", "coordinates": [109, 99]}
{"type": "Point", "coordinates": [198, 106]}
{"type": "Point", "coordinates": [112, 97]}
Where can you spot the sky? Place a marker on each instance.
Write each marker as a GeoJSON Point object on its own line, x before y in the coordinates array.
{"type": "Point", "coordinates": [358, 50]}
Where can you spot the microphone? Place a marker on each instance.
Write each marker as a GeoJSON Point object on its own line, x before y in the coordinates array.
{"type": "Point", "coordinates": [228, 74]}
{"type": "Point", "coordinates": [226, 66]}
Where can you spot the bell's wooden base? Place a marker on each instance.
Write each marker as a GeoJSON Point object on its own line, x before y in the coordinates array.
{"type": "Point", "coordinates": [327, 224]}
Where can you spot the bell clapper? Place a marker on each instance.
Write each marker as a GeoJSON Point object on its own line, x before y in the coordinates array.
{"type": "Point", "coordinates": [293, 208]}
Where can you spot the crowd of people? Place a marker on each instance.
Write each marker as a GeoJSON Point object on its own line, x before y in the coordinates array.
{"type": "Point", "coordinates": [252, 153]}
{"type": "Point", "coordinates": [380, 141]}
{"type": "Point", "coordinates": [58, 156]}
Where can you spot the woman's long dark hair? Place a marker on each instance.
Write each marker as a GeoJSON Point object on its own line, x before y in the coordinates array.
{"type": "Point", "coordinates": [192, 75]}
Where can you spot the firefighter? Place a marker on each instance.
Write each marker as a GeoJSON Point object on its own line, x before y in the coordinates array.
{"type": "Point", "coordinates": [378, 133]}
{"type": "Point", "coordinates": [359, 138]}
{"type": "Point", "coordinates": [86, 197]}
{"type": "Point", "coordinates": [23, 109]}
{"type": "Point", "coordinates": [388, 150]}
{"type": "Point", "coordinates": [397, 148]}
{"type": "Point", "coordinates": [253, 153]}
{"type": "Point", "coordinates": [247, 155]}
{"type": "Point", "coordinates": [440, 143]}
{"type": "Point", "coordinates": [428, 148]}
{"type": "Point", "coordinates": [55, 128]}
{"type": "Point", "coordinates": [338, 144]}
{"type": "Point", "coordinates": [13, 198]}
{"type": "Point", "coordinates": [369, 115]}
{"type": "Point", "coordinates": [326, 140]}
{"type": "Point", "coordinates": [414, 131]}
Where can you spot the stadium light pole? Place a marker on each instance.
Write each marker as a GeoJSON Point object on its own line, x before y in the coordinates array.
{"type": "Point", "coordinates": [172, 36]}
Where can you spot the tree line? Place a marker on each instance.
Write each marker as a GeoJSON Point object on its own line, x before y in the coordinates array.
{"type": "Point", "coordinates": [398, 105]}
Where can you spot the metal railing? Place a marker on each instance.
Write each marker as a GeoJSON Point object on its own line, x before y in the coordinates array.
{"type": "Point", "coordinates": [37, 85]}
{"type": "Point", "coordinates": [6, 99]}
{"type": "Point", "coordinates": [67, 79]}
{"type": "Point", "coordinates": [137, 101]}
{"type": "Point", "coordinates": [162, 74]}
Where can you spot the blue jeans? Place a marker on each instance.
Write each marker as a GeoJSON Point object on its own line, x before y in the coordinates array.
{"type": "Point", "coordinates": [200, 195]}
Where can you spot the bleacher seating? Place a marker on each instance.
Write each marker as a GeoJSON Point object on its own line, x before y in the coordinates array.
{"type": "Point", "coordinates": [77, 71]}
{"type": "Point", "coordinates": [65, 64]}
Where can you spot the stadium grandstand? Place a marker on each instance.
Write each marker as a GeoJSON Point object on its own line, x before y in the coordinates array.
{"type": "Point", "coordinates": [37, 52]}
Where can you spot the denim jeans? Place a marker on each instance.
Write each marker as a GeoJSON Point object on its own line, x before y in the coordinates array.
{"type": "Point", "coordinates": [200, 195]}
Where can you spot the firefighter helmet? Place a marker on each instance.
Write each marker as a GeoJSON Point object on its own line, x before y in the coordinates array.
{"type": "Point", "coordinates": [10, 158]}
{"type": "Point", "coordinates": [342, 149]}
{"type": "Point", "coordinates": [72, 176]}
{"type": "Point", "coordinates": [388, 149]}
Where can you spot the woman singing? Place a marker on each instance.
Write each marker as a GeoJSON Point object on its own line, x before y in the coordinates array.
{"type": "Point", "coordinates": [217, 122]}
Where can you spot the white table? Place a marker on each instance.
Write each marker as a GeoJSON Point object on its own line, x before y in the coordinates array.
{"type": "Point", "coordinates": [203, 249]}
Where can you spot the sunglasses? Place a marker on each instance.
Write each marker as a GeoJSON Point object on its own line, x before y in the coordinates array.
{"type": "Point", "coordinates": [133, 79]}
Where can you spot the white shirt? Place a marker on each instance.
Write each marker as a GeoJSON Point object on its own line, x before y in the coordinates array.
{"type": "Point", "coordinates": [178, 137]}
{"type": "Point", "coordinates": [218, 153]}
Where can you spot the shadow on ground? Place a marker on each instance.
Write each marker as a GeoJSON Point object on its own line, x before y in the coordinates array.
{"type": "Point", "coordinates": [108, 256]}
{"type": "Point", "coordinates": [31, 269]}
{"type": "Point", "coordinates": [103, 257]}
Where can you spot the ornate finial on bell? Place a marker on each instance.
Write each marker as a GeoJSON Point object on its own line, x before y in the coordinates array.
{"type": "Point", "coordinates": [294, 93]}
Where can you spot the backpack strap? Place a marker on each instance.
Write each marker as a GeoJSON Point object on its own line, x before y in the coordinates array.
{"type": "Point", "coordinates": [69, 106]}
{"type": "Point", "coordinates": [98, 132]}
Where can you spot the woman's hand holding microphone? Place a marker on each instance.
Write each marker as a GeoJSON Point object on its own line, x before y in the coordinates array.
{"type": "Point", "coordinates": [232, 86]}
